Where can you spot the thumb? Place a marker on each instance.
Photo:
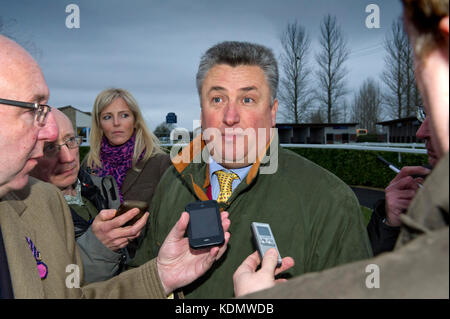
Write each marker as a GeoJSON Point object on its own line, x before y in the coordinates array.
{"type": "Point", "coordinates": [269, 262]}
{"type": "Point", "coordinates": [180, 227]}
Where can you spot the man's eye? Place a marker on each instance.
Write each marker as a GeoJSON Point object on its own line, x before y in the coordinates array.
{"type": "Point", "coordinates": [49, 147]}
{"type": "Point", "coordinates": [217, 100]}
{"type": "Point", "coordinates": [248, 100]}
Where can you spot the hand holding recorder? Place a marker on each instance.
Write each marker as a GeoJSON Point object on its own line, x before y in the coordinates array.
{"type": "Point", "coordinates": [247, 279]}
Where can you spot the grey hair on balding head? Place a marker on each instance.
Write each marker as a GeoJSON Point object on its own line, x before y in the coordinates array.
{"type": "Point", "coordinates": [234, 53]}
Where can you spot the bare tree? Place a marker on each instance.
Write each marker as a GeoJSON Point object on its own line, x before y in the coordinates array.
{"type": "Point", "coordinates": [317, 116]}
{"type": "Point", "coordinates": [413, 97]}
{"type": "Point", "coordinates": [162, 130]}
{"type": "Point", "coordinates": [294, 93]}
{"type": "Point", "coordinates": [331, 60]}
{"type": "Point", "coordinates": [402, 95]}
{"type": "Point", "coordinates": [346, 111]}
{"type": "Point", "coordinates": [367, 105]}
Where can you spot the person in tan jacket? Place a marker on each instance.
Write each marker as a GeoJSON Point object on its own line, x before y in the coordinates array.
{"type": "Point", "coordinates": [38, 254]}
{"type": "Point", "coordinates": [419, 265]}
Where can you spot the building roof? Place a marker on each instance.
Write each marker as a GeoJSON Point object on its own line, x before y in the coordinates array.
{"type": "Point", "coordinates": [299, 125]}
{"type": "Point", "coordinates": [405, 119]}
{"type": "Point", "coordinates": [62, 108]}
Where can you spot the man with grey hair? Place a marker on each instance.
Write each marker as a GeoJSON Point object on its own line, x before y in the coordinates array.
{"type": "Point", "coordinates": [237, 161]}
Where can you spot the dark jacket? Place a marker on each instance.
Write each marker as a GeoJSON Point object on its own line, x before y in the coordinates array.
{"type": "Point", "coordinates": [314, 216]}
{"type": "Point", "coordinates": [382, 237]}
{"type": "Point", "coordinates": [141, 184]}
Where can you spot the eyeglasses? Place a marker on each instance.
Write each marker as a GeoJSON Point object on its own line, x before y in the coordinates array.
{"type": "Point", "coordinates": [52, 149]}
{"type": "Point", "coordinates": [420, 114]}
{"type": "Point", "coordinates": [40, 110]}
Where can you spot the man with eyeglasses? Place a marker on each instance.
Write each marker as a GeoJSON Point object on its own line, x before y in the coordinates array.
{"type": "Point", "coordinates": [101, 240]}
{"type": "Point", "coordinates": [38, 254]}
{"type": "Point", "coordinates": [385, 222]}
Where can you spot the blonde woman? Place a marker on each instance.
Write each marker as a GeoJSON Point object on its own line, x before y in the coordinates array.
{"type": "Point", "coordinates": [123, 146]}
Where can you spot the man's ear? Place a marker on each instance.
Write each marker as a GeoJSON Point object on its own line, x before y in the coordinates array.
{"type": "Point", "coordinates": [274, 112]}
{"type": "Point", "coordinates": [443, 26]}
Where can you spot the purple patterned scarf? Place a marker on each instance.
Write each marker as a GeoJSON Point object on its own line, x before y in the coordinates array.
{"type": "Point", "coordinates": [117, 160]}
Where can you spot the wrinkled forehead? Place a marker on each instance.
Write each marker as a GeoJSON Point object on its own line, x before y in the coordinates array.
{"type": "Point", "coordinates": [65, 127]}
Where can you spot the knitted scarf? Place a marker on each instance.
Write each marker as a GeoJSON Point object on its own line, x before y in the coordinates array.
{"type": "Point", "coordinates": [116, 160]}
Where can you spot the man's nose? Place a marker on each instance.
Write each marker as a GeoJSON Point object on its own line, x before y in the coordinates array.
{"type": "Point", "coordinates": [65, 155]}
{"type": "Point", "coordinates": [49, 132]}
{"type": "Point", "coordinates": [423, 132]}
{"type": "Point", "coordinates": [231, 114]}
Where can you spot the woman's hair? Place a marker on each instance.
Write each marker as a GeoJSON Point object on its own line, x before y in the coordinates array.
{"type": "Point", "coordinates": [425, 16]}
{"type": "Point", "coordinates": [144, 138]}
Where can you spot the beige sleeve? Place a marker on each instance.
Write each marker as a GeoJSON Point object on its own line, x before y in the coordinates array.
{"type": "Point", "coordinates": [139, 283]}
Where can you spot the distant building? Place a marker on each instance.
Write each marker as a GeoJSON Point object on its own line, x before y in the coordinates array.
{"type": "Point", "coordinates": [81, 121]}
{"type": "Point", "coordinates": [316, 133]}
{"type": "Point", "coordinates": [401, 130]}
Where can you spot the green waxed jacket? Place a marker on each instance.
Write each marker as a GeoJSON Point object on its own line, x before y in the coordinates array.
{"type": "Point", "coordinates": [314, 216]}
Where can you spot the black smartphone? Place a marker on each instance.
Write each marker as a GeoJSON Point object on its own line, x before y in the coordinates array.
{"type": "Point", "coordinates": [129, 204]}
{"type": "Point", "coordinates": [205, 224]}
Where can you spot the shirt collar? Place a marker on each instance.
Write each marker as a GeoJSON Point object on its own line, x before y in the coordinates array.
{"type": "Point", "coordinates": [214, 167]}
{"type": "Point", "coordinates": [76, 200]}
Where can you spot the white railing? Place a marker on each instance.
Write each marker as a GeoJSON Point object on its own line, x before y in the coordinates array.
{"type": "Point", "coordinates": [411, 145]}
{"type": "Point", "coordinates": [359, 147]}
{"type": "Point", "coordinates": [354, 146]}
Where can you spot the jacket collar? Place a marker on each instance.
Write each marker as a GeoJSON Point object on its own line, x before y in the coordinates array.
{"type": "Point", "coordinates": [15, 202]}
{"type": "Point", "coordinates": [192, 154]}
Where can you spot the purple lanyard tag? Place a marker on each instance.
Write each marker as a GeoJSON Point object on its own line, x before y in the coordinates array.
{"type": "Point", "coordinates": [41, 266]}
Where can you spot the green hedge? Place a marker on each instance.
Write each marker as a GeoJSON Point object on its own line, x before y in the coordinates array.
{"type": "Point", "coordinates": [360, 167]}
{"type": "Point", "coordinates": [353, 167]}
{"type": "Point", "coordinates": [83, 152]}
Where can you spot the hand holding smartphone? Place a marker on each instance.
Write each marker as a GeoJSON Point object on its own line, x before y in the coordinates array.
{"type": "Point", "coordinates": [130, 204]}
{"type": "Point", "coordinates": [205, 224]}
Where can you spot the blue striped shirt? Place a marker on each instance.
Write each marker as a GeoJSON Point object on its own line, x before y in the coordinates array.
{"type": "Point", "coordinates": [213, 167]}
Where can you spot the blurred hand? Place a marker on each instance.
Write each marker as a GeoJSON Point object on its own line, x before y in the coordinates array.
{"type": "Point", "coordinates": [400, 191]}
{"type": "Point", "coordinates": [247, 280]}
{"type": "Point", "coordinates": [178, 264]}
{"type": "Point", "coordinates": [110, 232]}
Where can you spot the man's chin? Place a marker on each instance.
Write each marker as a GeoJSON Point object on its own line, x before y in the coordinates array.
{"type": "Point", "coordinates": [433, 160]}
{"type": "Point", "coordinates": [232, 161]}
{"type": "Point", "coordinates": [18, 182]}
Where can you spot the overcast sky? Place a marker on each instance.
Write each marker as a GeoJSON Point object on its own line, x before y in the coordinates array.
{"type": "Point", "coordinates": [152, 48]}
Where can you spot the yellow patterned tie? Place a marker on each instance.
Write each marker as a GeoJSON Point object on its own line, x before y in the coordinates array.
{"type": "Point", "coordinates": [225, 181]}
